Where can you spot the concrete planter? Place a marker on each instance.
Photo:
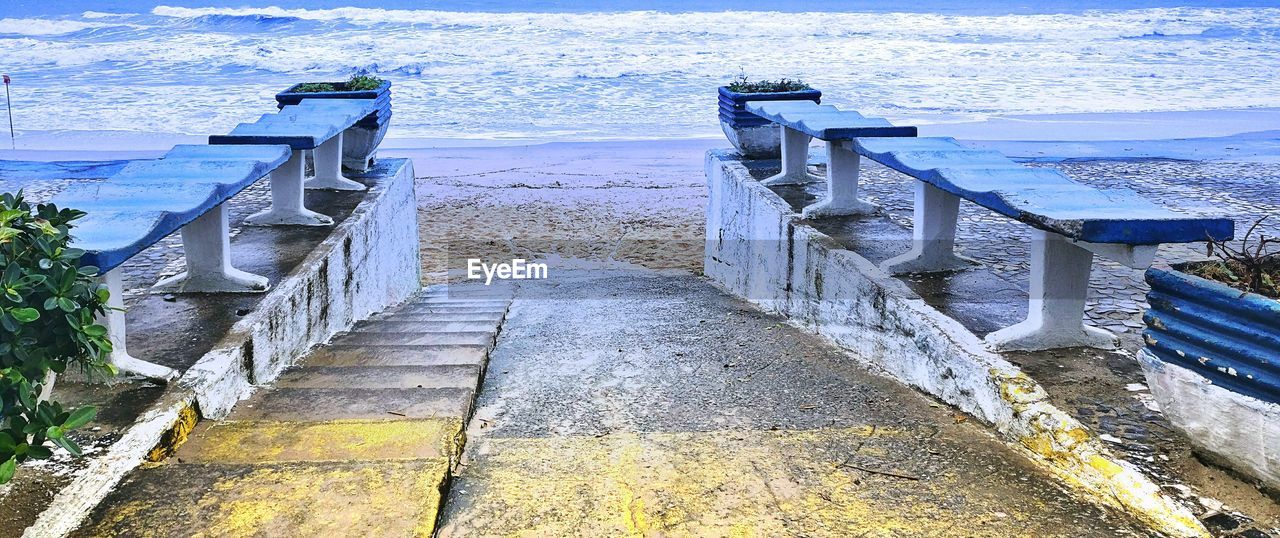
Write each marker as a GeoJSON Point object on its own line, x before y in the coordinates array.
{"type": "Point", "coordinates": [360, 142]}
{"type": "Point", "coordinates": [1212, 359]}
{"type": "Point", "coordinates": [755, 137]}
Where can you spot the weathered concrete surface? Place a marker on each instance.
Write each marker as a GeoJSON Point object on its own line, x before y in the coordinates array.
{"type": "Point", "coordinates": [759, 249]}
{"type": "Point", "coordinates": [279, 441]}
{"type": "Point", "coordinates": [345, 448]}
{"type": "Point", "coordinates": [242, 340]}
{"type": "Point", "coordinates": [1106, 392]}
{"type": "Point", "coordinates": [382, 498]}
{"type": "Point", "coordinates": [679, 410]}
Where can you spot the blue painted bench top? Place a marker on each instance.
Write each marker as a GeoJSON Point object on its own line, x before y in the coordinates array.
{"type": "Point", "coordinates": [305, 125]}
{"type": "Point", "coordinates": [148, 200]}
{"type": "Point", "coordinates": [1040, 197]}
{"type": "Point", "coordinates": [825, 122]}
{"type": "Point", "coordinates": [35, 177]}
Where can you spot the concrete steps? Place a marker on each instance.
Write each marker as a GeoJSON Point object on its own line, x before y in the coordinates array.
{"type": "Point", "coordinates": [376, 416]}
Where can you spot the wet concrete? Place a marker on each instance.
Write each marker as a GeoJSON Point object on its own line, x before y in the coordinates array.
{"type": "Point", "coordinates": [679, 410]}
{"type": "Point", "coordinates": [1105, 391]}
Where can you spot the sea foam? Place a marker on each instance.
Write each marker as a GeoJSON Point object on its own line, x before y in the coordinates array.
{"type": "Point", "coordinates": [638, 74]}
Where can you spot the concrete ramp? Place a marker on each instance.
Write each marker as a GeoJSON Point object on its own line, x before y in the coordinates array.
{"type": "Point", "coordinates": [664, 407]}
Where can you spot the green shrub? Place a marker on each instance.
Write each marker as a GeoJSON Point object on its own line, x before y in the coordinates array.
{"type": "Point", "coordinates": [745, 85]}
{"type": "Point", "coordinates": [47, 322]}
{"type": "Point", "coordinates": [353, 84]}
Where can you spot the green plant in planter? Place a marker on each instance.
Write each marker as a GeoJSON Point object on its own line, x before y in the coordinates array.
{"type": "Point", "coordinates": [353, 84]}
{"type": "Point", "coordinates": [48, 308]}
{"type": "Point", "coordinates": [744, 85]}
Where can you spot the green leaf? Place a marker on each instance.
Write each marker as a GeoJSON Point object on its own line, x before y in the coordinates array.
{"type": "Point", "coordinates": [96, 331]}
{"type": "Point", "coordinates": [7, 469]}
{"type": "Point", "coordinates": [39, 452]}
{"type": "Point", "coordinates": [79, 418]}
{"type": "Point", "coordinates": [67, 443]}
{"type": "Point", "coordinates": [25, 315]}
{"type": "Point", "coordinates": [66, 304]}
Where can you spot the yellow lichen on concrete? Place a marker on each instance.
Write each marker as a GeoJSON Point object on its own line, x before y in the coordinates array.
{"type": "Point", "coordinates": [341, 440]}
{"type": "Point", "coordinates": [732, 483]}
{"type": "Point", "coordinates": [173, 439]}
{"type": "Point", "coordinates": [386, 498]}
{"type": "Point", "coordinates": [1059, 443]}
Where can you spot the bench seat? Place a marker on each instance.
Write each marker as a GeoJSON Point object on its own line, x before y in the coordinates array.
{"type": "Point", "coordinates": [802, 121]}
{"type": "Point", "coordinates": [315, 125]}
{"type": "Point", "coordinates": [305, 125]}
{"type": "Point", "coordinates": [145, 201]}
{"type": "Point", "coordinates": [1071, 223]}
{"type": "Point", "coordinates": [148, 200]}
{"type": "Point", "coordinates": [1040, 197]}
{"type": "Point", "coordinates": [825, 122]}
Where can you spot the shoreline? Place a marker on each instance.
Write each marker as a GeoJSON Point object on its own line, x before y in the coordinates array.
{"type": "Point", "coordinates": [1242, 135]}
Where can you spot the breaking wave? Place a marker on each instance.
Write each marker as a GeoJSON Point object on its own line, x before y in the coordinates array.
{"type": "Point", "coordinates": [636, 74]}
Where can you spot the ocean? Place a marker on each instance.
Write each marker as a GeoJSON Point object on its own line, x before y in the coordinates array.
{"type": "Point", "coordinates": [626, 69]}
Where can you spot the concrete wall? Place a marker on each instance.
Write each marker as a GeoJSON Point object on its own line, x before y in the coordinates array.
{"type": "Point", "coordinates": [758, 249]}
{"type": "Point", "coordinates": [369, 262]}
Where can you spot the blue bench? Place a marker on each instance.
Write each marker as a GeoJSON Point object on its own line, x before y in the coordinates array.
{"type": "Point", "coordinates": [146, 201]}
{"type": "Point", "coordinates": [802, 121]}
{"type": "Point", "coordinates": [1072, 222]}
{"type": "Point", "coordinates": [315, 125]}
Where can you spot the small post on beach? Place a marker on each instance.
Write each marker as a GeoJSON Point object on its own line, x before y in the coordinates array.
{"type": "Point", "coordinates": [8, 103]}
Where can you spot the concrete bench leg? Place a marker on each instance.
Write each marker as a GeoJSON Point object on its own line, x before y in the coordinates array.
{"type": "Point", "coordinates": [842, 186]}
{"type": "Point", "coordinates": [933, 235]}
{"type": "Point", "coordinates": [328, 161]}
{"type": "Point", "coordinates": [206, 242]}
{"type": "Point", "coordinates": [287, 198]}
{"type": "Point", "coordinates": [1059, 287]}
{"type": "Point", "coordinates": [113, 320]}
{"type": "Point", "coordinates": [795, 160]}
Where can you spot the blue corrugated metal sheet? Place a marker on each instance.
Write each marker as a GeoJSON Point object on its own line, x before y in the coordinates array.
{"type": "Point", "coordinates": [1230, 337]}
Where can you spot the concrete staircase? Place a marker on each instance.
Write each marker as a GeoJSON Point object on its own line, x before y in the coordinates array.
{"type": "Point", "coordinates": [357, 440]}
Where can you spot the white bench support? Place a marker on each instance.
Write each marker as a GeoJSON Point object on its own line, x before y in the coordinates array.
{"type": "Point", "coordinates": [113, 320]}
{"type": "Point", "coordinates": [328, 163]}
{"type": "Point", "coordinates": [933, 235]}
{"type": "Point", "coordinates": [287, 198]}
{"type": "Point", "coordinates": [206, 242]}
{"type": "Point", "coordinates": [795, 160]}
{"type": "Point", "coordinates": [842, 185]}
{"type": "Point", "coordinates": [1059, 287]}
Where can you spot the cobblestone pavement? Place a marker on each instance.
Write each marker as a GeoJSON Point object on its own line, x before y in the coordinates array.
{"type": "Point", "coordinates": [1117, 295]}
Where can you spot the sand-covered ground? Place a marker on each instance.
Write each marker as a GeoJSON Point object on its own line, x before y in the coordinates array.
{"type": "Point", "coordinates": [638, 203]}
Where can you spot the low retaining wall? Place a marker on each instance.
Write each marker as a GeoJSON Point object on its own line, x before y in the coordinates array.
{"type": "Point", "coordinates": [758, 249]}
{"type": "Point", "coordinates": [369, 262]}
